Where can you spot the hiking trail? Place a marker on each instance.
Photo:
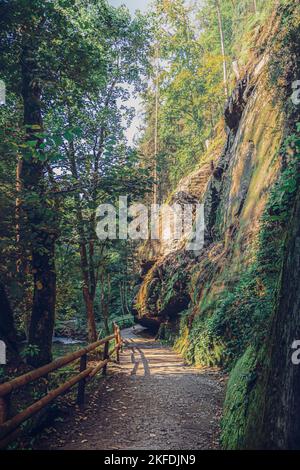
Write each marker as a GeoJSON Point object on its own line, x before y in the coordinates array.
{"type": "Point", "coordinates": [152, 400]}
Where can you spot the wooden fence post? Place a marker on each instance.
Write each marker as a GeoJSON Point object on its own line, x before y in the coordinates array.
{"type": "Point", "coordinates": [81, 384]}
{"type": "Point", "coordinates": [120, 339]}
{"type": "Point", "coordinates": [105, 356]}
{"type": "Point", "coordinates": [117, 341]}
{"type": "Point", "coordinates": [119, 344]}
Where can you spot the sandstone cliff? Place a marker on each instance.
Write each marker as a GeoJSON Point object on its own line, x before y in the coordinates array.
{"type": "Point", "coordinates": [218, 306]}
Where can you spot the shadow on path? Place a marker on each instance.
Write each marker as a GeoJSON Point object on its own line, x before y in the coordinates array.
{"type": "Point", "coordinates": [152, 400]}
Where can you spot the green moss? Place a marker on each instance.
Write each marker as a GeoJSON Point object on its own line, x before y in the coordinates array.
{"type": "Point", "coordinates": [241, 383]}
{"type": "Point", "coordinates": [227, 324]}
{"type": "Point", "coordinates": [176, 278]}
{"type": "Point", "coordinates": [239, 315]}
{"type": "Point", "coordinates": [182, 343]}
{"type": "Point", "coordinates": [204, 349]}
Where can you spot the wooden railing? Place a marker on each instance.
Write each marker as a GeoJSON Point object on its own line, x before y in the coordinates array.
{"type": "Point", "coordinates": [10, 427]}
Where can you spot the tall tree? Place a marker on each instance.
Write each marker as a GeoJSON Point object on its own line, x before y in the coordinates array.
{"type": "Point", "coordinates": [98, 162]}
{"type": "Point", "coordinates": [48, 44]}
{"type": "Point", "coordinates": [222, 47]}
{"type": "Point", "coordinates": [191, 88]}
{"type": "Point", "coordinates": [40, 219]}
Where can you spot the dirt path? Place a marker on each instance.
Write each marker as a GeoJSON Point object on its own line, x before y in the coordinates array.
{"type": "Point", "coordinates": [151, 401]}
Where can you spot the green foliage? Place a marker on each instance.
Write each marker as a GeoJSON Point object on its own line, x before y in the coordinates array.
{"type": "Point", "coordinates": [241, 382]}
{"type": "Point", "coordinates": [124, 321]}
{"type": "Point", "coordinates": [176, 278]}
{"type": "Point", "coordinates": [206, 349]}
{"type": "Point", "coordinates": [89, 60]}
{"type": "Point", "coordinates": [30, 350]}
{"type": "Point", "coordinates": [286, 46]}
{"type": "Point", "coordinates": [187, 77]}
{"type": "Point", "coordinates": [239, 315]}
{"type": "Point", "coordinates": [2, 373]}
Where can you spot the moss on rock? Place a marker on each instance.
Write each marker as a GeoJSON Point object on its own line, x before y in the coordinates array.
{"type": "Point", "coordinates": [240, 385]}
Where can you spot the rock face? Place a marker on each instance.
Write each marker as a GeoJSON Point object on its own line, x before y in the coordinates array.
{"type": "Point", "coordinates": [281, 426]}
{"type": "Point", "coordinates": [237, 103]}
{"type": "Point", "coordinates": [232, 186]}
{"type": "Point", "coordinates": [163, 293]}
{"type": "Point", "coordinates": [224, 302]}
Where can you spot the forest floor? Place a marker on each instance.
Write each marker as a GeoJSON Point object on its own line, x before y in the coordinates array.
{"type": "Point", "coordinates": [151, 401]}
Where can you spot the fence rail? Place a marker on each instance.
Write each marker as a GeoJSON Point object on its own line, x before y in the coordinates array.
{"type": "Point", "coordinates": [9, 426]}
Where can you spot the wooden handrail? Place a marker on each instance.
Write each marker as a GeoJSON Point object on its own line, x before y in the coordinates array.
{"type": "Point", "coordinates": [8, 426]}
{"type": "Point", "coordinates": [24, 379]}
{"type": "Point", "coordinates": [18, 419]}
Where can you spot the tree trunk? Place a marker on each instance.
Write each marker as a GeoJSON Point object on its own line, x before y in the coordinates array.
{"type": "Point", "coordinates": [7, 329]}
{"type": "Point", "coordinates": [155, 182]}
{"type": "Point", "coordinates": [222, 47]}
{"type": "Point", "coordinates": [88, 289]}
{"type": "Point", "coordinates": [88, 295]}
{"type": "Point", "coordinates": [86, 262]}
{"type": "Point", "coordinates": [122, 298]}
{"type": "Point", "coordinates": [105, 302]}
{"type": "Point", "coordinates": [43, 309]}
{"type": "Point", "coordinates": [19, 262]}
{"type": "Point", "coordinates": [40, 219]}
{"type": "Point", "coordinates": [91, 323]}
